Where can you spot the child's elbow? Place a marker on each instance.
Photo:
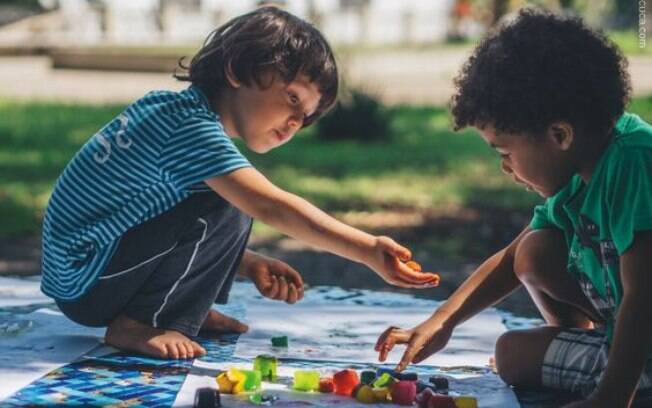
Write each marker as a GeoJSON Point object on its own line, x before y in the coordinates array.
{"type": "Point", "coordinates": [268, 210]}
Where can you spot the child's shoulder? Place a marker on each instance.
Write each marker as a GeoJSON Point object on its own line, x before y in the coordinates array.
{"type": "Point", "coordinates": [631, 148]}
{"type": "Point", "coordinates": [633, 133]}
{"type": "Point", "coordinates": [174, 105]}
{"type": "Point", "coordinates": [628, 161]}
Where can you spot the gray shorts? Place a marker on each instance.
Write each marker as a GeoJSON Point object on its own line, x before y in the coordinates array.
{"type": "Point", "coordinates": [168, 271]}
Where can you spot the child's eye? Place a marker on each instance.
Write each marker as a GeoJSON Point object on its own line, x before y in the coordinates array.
{"type": "Point", "coordinates": [293, 98]}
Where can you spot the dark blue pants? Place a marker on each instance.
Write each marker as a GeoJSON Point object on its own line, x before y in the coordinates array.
{"type": "Point", "coordinates": [168, 271]}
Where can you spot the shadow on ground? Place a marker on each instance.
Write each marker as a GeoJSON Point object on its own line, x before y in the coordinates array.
{"type": "Point", "coordinates": [450, 244]}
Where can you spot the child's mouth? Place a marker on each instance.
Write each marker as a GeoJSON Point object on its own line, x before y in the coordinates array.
{"type": "Point", "coordinates": [281, 136]}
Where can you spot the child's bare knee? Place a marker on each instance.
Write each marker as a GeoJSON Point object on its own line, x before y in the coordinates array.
{"type": "Point", "coordinates": [536, 253]}
{"type": "Point", "coordinates": [520, 353]}
{"type": "Point", "coordinates": [507, 358]}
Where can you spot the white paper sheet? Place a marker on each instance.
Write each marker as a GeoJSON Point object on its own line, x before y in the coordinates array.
{"type": "Point", "coordinates": [21, 292]}
{"type": "Point", "coordinates": [487, 387]}
{"type": "Point", "coordinates": [328, 314]}
{"type": "Point", "coordinates": [336, 325]}
{"type": "Point", "coordinates": [50, 342]}
{"type": "Point", "coordinates": [348, 333]}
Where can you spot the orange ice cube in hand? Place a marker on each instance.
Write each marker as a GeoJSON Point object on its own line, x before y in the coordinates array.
{"type": "Point", "coordinates": [415, 266]}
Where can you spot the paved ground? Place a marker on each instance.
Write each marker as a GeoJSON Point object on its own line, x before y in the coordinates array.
{"type": "Point", "coordinates": [398, 77]}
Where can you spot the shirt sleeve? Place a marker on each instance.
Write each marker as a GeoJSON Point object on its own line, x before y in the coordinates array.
{"type": "Point", "coordinates": [198, 150]}
{"type": "Point", "coordinates": [551, 214]}
{"type": "Point", "coordinates": [541, 218]}
{"type": "Point", "coordinates": [629, 196]}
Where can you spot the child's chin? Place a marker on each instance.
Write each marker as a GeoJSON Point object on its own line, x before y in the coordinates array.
{"type": "Point", "coordinates": [547, 193]}
{"type": "Point", "coordinates": [260, 149]}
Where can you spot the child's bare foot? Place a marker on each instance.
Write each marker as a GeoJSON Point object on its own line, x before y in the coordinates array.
{"type": "Point", "coordinates": [219, 322]}
{"type": "Point", "coordinates": [128, 334]}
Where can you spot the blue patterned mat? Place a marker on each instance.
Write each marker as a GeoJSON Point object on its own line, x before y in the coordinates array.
{"type": "Point", "coordinates": [121, 379]}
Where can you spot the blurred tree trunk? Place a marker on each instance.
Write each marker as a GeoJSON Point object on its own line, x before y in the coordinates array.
{"type": "Point", "coordinates": [314, 15]}
{"type": "Point", "coordinates": [498, 9]}
{"type": "Point", "coordinates": [625, 14]}
{"type": "Point", "coordinates": [567, 4]}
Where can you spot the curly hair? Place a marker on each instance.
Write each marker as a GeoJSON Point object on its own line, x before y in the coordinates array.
{"type": "Point", "coordinates": [538, 69]}
{"type": "Point", "coordinates": [267, 39]}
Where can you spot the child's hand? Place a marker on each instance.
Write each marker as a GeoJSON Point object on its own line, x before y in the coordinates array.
{"type": "Point", "coordinates": [387, 259]}
{"type": "Point", "coordinates": [422, 341]}
{"type": "Point", "coordinates": [273, 278]}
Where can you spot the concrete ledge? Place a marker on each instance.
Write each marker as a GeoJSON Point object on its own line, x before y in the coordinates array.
{"type": "Point", "coordinates": [113, 61]}
{"type": "Point", "coordinates": [20, 51]}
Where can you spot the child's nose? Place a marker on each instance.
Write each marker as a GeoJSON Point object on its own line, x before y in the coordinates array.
{"type": "Point", "coordinates": [295, 122]}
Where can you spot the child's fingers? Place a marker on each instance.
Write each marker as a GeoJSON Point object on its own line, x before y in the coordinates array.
{"type": "Point", "coordinates": [396, 337]}
{"type": "Point", "coordinates": [273, 290]}
{"type": "Point", "coordinates": [293, 294]}
{"type": "Point", "coordinates": [414, 346]}
{"type": "Point", "coordinates": [407, 274]}
{"type": "Point", "coordinates": [435, 279]}
{"type": "Point", "coordinates": [300, 292]}
{"type": "Point", "coordinates": [282, 288]}
{"type": "Point", "coordinates": [296, 285]}
{"type": "Point", "coordinates": [385, 348]}
{"type": "Point", "coordinates": [406, 359]}
{"type": "Point", "coordinates": [265, 287]}
{"type": "Point", "coordinates": [294, 277]}
{"type": "Point", "coordinates": [383, 336]}
{"type": "Point", "coordinates": [388, 339]}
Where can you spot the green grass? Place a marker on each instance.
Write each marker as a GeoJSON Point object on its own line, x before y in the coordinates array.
{"type": "Point", "coordinates": [424, 167]}
{"type": "Point", "coordinates": [36, 142]}
{"type": "Point", "coordinates": [628, 42]}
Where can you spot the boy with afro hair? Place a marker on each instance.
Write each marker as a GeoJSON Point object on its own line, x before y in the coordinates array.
{"type": "Point", "coordinates": [549, 95]}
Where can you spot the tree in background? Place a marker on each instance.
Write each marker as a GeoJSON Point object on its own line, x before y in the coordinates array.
{"type": "Point", "coordinates": [625, 14]}
{"type": "Point", "coordinates": [14, 10]}
{"type": "Point", "coordinates": [606, 14]}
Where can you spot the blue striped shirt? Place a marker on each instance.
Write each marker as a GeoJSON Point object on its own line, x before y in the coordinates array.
{"type": "Point", "coordinates": [144, 162]}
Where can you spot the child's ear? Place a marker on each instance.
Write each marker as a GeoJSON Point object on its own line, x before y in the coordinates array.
{"type": "Point", "coordinates": [233, 81]}
{"type": "Point", "coordinates": [561, 134]}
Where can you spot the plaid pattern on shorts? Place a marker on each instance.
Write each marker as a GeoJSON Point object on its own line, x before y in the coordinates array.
{"type": "Point", "coordinates": [576, 358]}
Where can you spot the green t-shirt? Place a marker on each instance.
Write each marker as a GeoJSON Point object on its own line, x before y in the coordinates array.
{"type": "Point", "coordinates": [599, 219]}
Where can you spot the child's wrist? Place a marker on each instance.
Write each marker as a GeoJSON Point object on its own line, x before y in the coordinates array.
{"type": "Point", "coordinates": [365, 250]}
{"type": "Point", "coordinates": [245, 263]}
{"type": "Point", "coordinates": [444, 317]}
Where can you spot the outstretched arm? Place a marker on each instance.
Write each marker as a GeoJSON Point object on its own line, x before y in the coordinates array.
{"type": "Point", "coordinates": [492, 281]}
{"type": "Point", "coordinates": [251, 192]}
